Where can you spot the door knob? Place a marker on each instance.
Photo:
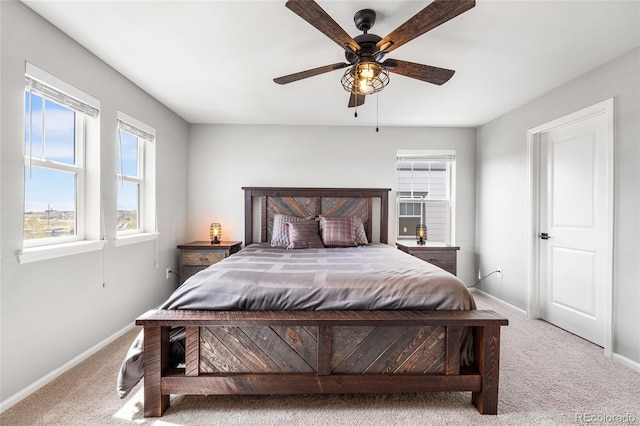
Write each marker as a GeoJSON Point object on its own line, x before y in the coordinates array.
{"type": "Point", "coordinates": [544, 236]}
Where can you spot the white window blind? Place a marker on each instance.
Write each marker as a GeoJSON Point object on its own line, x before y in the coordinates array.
{"type": "Point", "coordinates": [44, 84]}
{"type": "Point", "coordinates": [136, 130]}
{"type": "Point", "coordinates": [40, 88]}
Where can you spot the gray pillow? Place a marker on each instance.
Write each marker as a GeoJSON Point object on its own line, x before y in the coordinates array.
{"type": "Point", "coordinates": [279, 235]}
{"type": "Point", "coordinates": [361, 234]}
{"type": "Point", "coordinates": [304, 235]}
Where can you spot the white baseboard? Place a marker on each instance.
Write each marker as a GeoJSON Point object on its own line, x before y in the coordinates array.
{"type": "Point", "coordinates": [626, 362]}
{"type": "Point", "coordinates": [20, 395]}
{"type": "Point", "coordinates": [616, 357]}
{"type": "Point", "coordinates": [492, 297]}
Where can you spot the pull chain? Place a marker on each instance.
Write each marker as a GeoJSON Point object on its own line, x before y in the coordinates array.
{"type": "Point", "coordinates": [355, 113]}
{"type": "Point", "coordinates": [377, 112]}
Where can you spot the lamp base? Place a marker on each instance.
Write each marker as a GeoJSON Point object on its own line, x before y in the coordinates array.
{"type": "Point", "coordinates": [216, 241]}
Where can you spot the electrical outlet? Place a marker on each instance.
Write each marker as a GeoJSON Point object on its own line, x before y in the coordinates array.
{"type": "Point", "coordinates": [168, 272]}
{"type": "Point", "coordinates": [500, 273]}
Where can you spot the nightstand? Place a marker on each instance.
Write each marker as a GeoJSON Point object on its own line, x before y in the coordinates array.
{"type": "Point", "coordinates": [199, 255]}
{"type": "Point", "coordinates": [441, 255]}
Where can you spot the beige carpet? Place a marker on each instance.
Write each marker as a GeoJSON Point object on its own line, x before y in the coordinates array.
{"type": "Point", "coordinates": [547, 377]}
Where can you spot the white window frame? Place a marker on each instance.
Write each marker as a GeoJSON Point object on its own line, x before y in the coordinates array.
{"type": "Point", "coordinates": [147, 224]}
{"type": "Point", "coordinates": [79, 170]}
{"type": "Point", "coordinates": [88, 205]}
{"type": "Point", "coordinates": [449, 200]}
{"type": "Point", "coordinates": [138, 179]}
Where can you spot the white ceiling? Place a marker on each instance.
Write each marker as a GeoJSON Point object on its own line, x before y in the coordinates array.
{"type": "Point", "coordinates": [214, 61]}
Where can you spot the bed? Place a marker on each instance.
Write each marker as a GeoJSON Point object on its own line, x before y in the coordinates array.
{"type": "Point", "coordinates": [361, 319]}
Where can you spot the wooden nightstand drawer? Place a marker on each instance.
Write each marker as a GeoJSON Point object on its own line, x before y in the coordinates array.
{"type": "Point", "coordinates": [199, 255]}
{"type": "Point", "coordinates": [442, 256]}
{"type": "Point", "coordinates": [199, 258]}
{"type": "Point", "coordinates": [443, 259]}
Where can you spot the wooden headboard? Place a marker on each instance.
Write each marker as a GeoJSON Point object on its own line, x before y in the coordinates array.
{"type": "Point", "coordinates": [305, 202]}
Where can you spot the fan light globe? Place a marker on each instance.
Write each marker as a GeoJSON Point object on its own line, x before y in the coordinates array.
{"type": "Point", "coordinates": [365, 77]}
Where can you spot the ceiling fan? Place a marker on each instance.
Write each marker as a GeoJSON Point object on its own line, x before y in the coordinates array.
{"type": "Point", "coordinates": [367, 73]}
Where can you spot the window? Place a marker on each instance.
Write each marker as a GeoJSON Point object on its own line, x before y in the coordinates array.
{"type": "Point", "coordinates": [136, 177]}
{"type": "Point", "coordinates": [55, 161]}
{"type": "Point", "coordinates": [424, 193]}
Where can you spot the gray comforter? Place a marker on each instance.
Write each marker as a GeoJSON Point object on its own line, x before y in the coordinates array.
{"type": "Point", "coordinates": [260, 277]}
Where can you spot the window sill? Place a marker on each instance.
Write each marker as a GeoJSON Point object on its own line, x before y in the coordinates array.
{"type": "Point", "coordinates": [35, 254]}
{"type": "Point", "coordinates": [135, 238]}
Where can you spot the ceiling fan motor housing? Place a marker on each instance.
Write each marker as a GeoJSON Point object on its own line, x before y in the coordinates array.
{"type": "Point", "coordinates": [364, 20]}
{"type": "Point", "coordinates": [368, 47]}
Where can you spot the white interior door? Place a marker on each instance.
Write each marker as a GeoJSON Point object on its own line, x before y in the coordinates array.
{"type": "Point", "coordinates": [575, 227]}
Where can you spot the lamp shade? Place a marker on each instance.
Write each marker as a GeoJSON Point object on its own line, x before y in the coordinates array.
{"type": "Point", "coordinates": [421, 233]}
{"type": "Point", "coordinates": [215, 233]}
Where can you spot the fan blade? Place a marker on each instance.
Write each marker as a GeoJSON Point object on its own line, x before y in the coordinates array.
{"type": "Point", "coordinates": [356, 100]}
{"type": "Point", "coordinates": [311, 12]}
{"type": "Point", "coordinates": [438, 12]}
{"type": "Point", "coordinates": [309, 73]}
{"type": "Point", "coordinates": [426, 73]}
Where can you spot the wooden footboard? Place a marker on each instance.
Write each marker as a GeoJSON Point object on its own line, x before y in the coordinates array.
{"type": "Point", "coordinates": [313, 352]}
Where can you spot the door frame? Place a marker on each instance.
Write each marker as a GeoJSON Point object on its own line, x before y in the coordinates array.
{"type": "Point", "coordinates": [534, 137]}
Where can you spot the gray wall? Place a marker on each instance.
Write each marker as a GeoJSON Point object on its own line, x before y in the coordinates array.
{"type": "Point", "coordinates": [55, 310]}
{"type": "Point", "coordinates": [502, 184]}
{"type": "Point", "coordinates": [224, 158]}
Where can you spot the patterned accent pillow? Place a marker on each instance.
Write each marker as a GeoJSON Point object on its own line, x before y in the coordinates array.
{"type": "Point", "coordinates": [304, 235]}
{"type": "Point", "coordinates": [338, 231]}
{"type": "Point", "coordinates": [279, 234]}
{"type": "Point", "coordinates": [361, 234]}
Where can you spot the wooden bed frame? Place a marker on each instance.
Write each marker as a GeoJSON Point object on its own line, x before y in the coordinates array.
{"type": "Point", "coordinates": [320, 352]}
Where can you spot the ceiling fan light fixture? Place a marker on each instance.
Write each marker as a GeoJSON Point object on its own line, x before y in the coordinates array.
{"type": "Point", "coordinates": [365, 77]}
